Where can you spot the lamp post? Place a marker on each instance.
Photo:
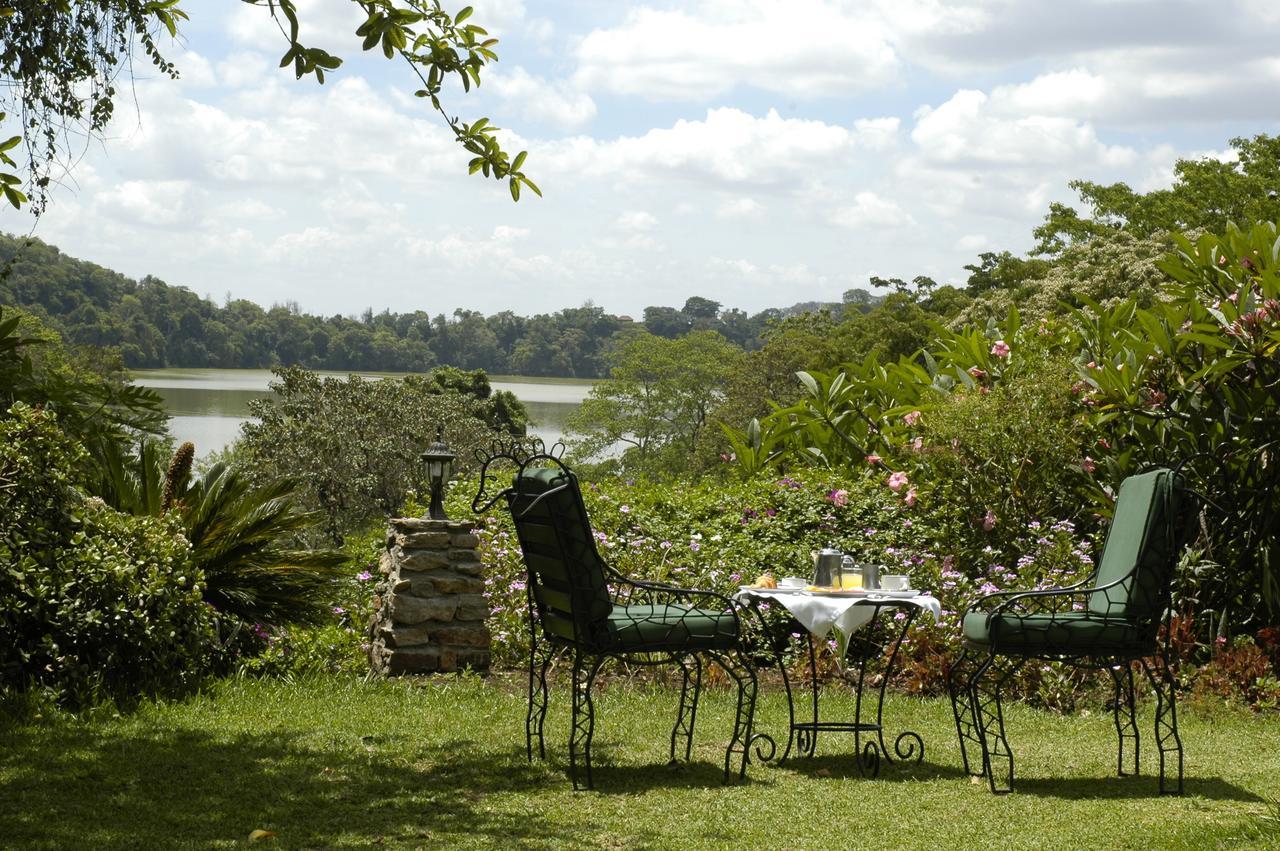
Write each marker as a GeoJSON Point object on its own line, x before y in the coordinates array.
{"type": "Point", "coordinates": [438, 460]}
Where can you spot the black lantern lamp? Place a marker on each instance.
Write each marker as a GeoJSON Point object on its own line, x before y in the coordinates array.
{"type": "Point", "coordinates": [438, 460]}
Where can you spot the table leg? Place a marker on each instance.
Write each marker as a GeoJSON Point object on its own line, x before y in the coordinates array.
{"type": "Point", "coordinates": [914, 746]}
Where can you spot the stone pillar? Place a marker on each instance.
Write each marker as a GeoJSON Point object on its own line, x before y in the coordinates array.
{"type": "Point", "coordinates": [430, 609]}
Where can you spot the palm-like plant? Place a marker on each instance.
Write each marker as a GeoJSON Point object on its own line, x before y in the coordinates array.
{"type": "Point", "coordinates": [241, 538]}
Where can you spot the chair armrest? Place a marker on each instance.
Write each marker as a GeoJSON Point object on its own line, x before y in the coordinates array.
{"type": "Point", "coordinates": [1003, 601]}
{"type": "Point", "coordinates": [648, 588]}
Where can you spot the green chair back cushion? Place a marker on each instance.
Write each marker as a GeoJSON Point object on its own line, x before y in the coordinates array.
{"type": "Point", "coordinates": [1139, 549]}
{"type": "Point", "coordinates": [566, 573]}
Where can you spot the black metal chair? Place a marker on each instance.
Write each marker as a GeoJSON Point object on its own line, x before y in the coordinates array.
{"type": "Point", "coordinates": [1109, 621]}
{"type": "Point", "coordinates": [580, 606]}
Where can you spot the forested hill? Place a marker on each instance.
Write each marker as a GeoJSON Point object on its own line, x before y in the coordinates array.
{"type": "Point", "coordinates": [155, 324]}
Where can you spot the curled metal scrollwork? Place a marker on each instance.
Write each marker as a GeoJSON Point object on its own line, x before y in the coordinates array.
{"type": "Point", "coordinates": [869, 759]}
{"type": "Point", "coordinates": [758, 742]}
{"type": "Point", "coordinates": [913, 748]}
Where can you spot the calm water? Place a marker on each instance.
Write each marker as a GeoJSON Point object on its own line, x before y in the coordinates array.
{"type": "Point", "coordinates": [207, 406]}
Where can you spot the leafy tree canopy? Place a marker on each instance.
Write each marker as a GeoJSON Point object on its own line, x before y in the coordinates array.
{"type": "Point", "coordinates": [61, 63]}
{"type": "Point", "coordinates": [1206, 194]}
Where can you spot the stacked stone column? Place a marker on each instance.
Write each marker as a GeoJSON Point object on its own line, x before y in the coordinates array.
{"type": "Point", "coordinates": [430, 609]}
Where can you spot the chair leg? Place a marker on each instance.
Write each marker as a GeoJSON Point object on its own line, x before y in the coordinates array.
{"type": "Point", "coordinates": [537, 714]}
{"type": "Point", "coordinates": [962, 707]}
{"type": "Point", "coordinates": [690, 688]}
{"type": "Point", "coordinates": [740, 668]}
{"type": "Point", "coordinates": [1125, 717]}
{"type": "Point", "coordinates": [984, 689]}
{"type": "Point", "coordinates": [583, 726]}
{"type": "Point", "coordinates": [1167, 738]}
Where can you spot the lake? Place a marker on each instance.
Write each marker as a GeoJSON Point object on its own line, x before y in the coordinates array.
{"type": "Point", "coordinates": [207, 406]}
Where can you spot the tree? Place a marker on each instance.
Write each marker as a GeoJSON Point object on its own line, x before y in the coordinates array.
{"type": "Point", "coordinates": [1206, 194]}
{"type": "Point", "coordinates": [657, 400]}
{"type": "Point", "coordinates": [61, 62]}
{"type": "Point", "coordinates": [352, 445]}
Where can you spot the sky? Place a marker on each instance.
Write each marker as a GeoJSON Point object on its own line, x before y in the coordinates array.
{"type": "Point", "coordinates": [757, 153]}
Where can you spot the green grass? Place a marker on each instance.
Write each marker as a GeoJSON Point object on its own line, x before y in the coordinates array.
{"type": "Point", "coordinates": [440, 764]}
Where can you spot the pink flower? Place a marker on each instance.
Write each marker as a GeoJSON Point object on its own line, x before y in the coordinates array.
{"type": "Point", "coordinates": [1000, 349]}
{"type": "Point", "coordinates": [873, 459]}
{"type": "Point", "coordinates": [839, 497]}
{"type": "Point", "coordinates": [912, 418]}
{"type": "Point", "coordinates": [1088, 465]}
{"type": "Point", "coordinates": [1091, 365]}
{"type": "Point", "coordinates": [897, 481]}
{"type": "Point", "coordinates": [977, 372]}
{"type": "Point", "coordinates": [910, 499]}
{"type": "Point", "coordinates": [989, 521]}
{"type": "Point", "coordinates": [917, 445]}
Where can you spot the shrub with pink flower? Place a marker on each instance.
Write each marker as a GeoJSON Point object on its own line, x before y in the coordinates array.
{"type": "Point", "coordinates": [897, 481]}
{"type": "Point", "coordinates": [1000, 349]}
{"type": "Point", "coordinates": [912, 418]}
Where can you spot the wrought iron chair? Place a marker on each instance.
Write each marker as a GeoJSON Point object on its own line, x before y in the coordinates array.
{"type": "Point", "coordinates": [580, 606]}
{"type": "Point", "coordinates": [1111, 621]}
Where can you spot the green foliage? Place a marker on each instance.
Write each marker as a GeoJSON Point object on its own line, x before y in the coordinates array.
{"type": "Point", "coordinates": [1207, 194]}
{"type": "Point", "coordinates": [94, 604]}
{"type": "Point", "coordinates": [1196, 378]}
{"type": "Point", "coordinates": [60, 62]}
{"type": "Point", "coordinates": [352, 446]}
{"type": "Point", "coordinates": [1108, 268]}
{"type": "Point", "coordinates": [88, 389]}
{"type": "Point", "coordinates": [988, 465]}
{"type": "Point", "coordinates": [657, 400]}
{"type": "Point", "coordinates": [243, 541]}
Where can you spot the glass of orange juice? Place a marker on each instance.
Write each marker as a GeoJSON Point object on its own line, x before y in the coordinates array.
{"type": "Point", "coordinates": [851, 580]}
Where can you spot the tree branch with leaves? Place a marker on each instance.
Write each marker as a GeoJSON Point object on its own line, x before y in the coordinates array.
{"type": "Point", "coordinates": [61, 63]}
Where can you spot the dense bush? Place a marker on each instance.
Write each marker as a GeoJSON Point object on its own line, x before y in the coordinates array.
{"type": "Point", "coordinates": [93, 603]}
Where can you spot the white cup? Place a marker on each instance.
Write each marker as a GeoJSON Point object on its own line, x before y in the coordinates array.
{"type": "Point", "coordinates": [894, 582]}
{"type": "Point", "coordinates": [792, 582]}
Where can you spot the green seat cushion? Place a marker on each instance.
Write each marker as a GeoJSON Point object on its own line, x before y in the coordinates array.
{"type": "Point", "coordinates": [1075, 633]}
{"type": "Point", "coordinates": [669, 627]}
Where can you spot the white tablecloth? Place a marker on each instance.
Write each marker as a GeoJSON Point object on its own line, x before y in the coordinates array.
{"type": "Point", "coordinates": [820, 613]}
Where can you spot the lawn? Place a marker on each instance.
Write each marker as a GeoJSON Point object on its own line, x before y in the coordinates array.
{"type": "Point", "coordinates": [336, 762]}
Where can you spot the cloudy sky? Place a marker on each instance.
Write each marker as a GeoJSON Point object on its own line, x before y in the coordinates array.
{"type": "Point", "coordinates": [750, 151]}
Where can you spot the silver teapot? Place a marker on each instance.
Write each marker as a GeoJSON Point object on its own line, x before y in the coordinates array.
{"type": "Point", "coordinates": [826, 567]}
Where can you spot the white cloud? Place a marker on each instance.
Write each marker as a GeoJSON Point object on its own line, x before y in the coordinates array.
{"type": "Point", "coordinates": [554, 101]}
{"type": "Point", "coordinates": [1072, 93]}
{"type": "Point", "coordinates": [966, 129]}
{"type": "Point", "coordinates": [729, 148]}
{"type": "Point", "coordinates": [802, 48]}
{"type": "Point", "coordinates": [636, 221]}
{"type": "Point", "coordinates": [157, 203]}
{"type": "Point", "coordinates": [971, 242]}
{"type": "Point", "coordinates": [740, 208]}
{"type": "Point", "coordinates": [877, 134]}
{"type": "Point", "coordinates": [869, 210]}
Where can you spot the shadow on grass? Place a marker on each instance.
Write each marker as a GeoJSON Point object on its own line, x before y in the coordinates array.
{"type": "Point", "coordinates": [80, 788]}
{"type": "Point", "coordinates": [1116, 788]}
{"type": "Point", "coordinates": [845, 765]}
